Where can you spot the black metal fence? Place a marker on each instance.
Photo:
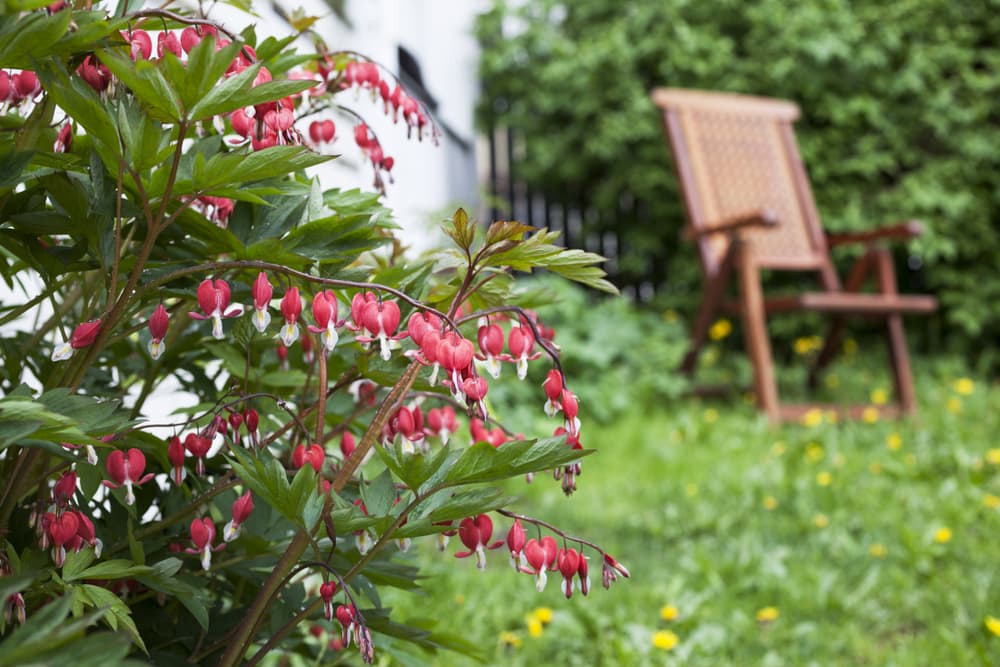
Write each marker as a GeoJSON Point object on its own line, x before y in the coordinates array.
{"type": "Point", "coordinates": [569, 212]}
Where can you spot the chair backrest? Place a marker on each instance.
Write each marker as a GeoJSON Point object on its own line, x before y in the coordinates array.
{"type": "Point", "coordinates": [736, 154]}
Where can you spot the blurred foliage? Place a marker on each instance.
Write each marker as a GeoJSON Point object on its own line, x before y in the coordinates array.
{"type": "Point", "coordinates": [899, 119]}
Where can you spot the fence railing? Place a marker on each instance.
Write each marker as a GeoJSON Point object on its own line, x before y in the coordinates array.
{"type": "Point", "coordinates": [569, 212]}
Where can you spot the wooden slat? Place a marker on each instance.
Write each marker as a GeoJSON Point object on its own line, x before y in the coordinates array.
{"type": "Point", "coordinates": [676, 98]}
{"type": "Point", "coordinates": [867, 304]}
{"type": "Point", "coordinates": [796, 411]}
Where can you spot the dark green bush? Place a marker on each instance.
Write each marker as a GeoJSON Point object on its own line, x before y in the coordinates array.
{"type": "Point", "coordinates": [900, 118]}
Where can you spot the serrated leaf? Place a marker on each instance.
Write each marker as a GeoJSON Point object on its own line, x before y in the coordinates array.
{"type": "Point", "coordinates": [146, 82]}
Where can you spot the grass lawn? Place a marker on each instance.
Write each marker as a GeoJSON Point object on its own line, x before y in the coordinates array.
{"type": "Point", "coordinates": [863, 543]}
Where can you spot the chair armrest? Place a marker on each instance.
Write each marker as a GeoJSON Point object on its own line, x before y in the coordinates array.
{"type": "Point", "coordinates": [760, 218]}
{"type": "Point", "coordinates": [899, 232]}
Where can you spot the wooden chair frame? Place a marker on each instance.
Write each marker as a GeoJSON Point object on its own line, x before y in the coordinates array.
{"type": "Point", "coordinates": [750, 208]}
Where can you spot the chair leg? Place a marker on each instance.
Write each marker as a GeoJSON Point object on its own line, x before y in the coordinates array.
{"type": "Point", "coordinates": [755, 334]}
{"type": "Point", "coordinates": [714, 291]}
{"type": "Point", "coordinates": [899, 356]}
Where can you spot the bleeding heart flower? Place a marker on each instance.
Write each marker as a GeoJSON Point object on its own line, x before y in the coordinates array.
{"type": "Point", "coordinates": [381, 319]}
{"type": "Point", "coordinates": [441, 422]}
{"type": "Point", "coordinates": [313, 455]}
{"type": "Point", "coordinates": [262, 292]}
{"type": "Point", "coordinates": [475, 534]}
{"type": "Point", "coordinates": [521, 341]}
{"type": "Point", "coordinates": [241, 512]}
{"type": "Point", "coordinates": [568, 562]}
{"type": "Point", "coordinates": [491, 347]}
{"type": "Point", "coordinates": [515, 542]}
{"type": "Point", "coordinates": [326, 591]}
{"type": "Point", "coordinates": [202, 536]}
{"type": "Point", "coordinates": [324, 307]}
{"type": "Point", "coordinates": [214, 299]}
{"type": "Point", "coordinates": [347, 444]}
{"type": "Point", "coordinates": [553, 388]}
{"type": "Point", "coordinates": [198, 446]}
{"type": "Point", "coordinates": [291, 309]}
{"type": "Point", "coordinates": [83, 336]}
{"type": "Point", "coordinates": [60, 529]}
{"type": "Point", "coordinates": [175, 452]}
{"type": "Point", "coordinates": [159, 321]}
{"type": "Point", "coordinates": [125, 469]}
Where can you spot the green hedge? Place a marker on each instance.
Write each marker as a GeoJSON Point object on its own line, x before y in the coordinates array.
{"type": "Point", "coordinates": [901, 106]}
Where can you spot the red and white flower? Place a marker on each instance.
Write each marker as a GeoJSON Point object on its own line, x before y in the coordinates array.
{"type": "Point", "coordinates": [324, 308]}
{"type": "Point", "coordinates": [125, 469]}
{"type": "Point", "coordinates": [291, 309]}
{"type": "Point", "coordinates": [159, 321]}
{"type": "Point", "coordinates": [242, 508]}
{"type": "Point", "coordinates": [202, 536]}
{"type": "Point", "coordinates": [475, 534]}
{"type": "Point", "coordinates": [83, 336]}
{"type": "Point", "coordinates": [262, 293]}
{"type": "Point", "coordinates": [214, 298]}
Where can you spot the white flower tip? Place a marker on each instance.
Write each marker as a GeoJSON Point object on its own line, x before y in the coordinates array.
{"type": "Point", "coordinates": [156, 348]}
{"type": "Point", "coordinates": [217, 327]}
{"type": "Point", "coordinates": [261, 318]}
{"type": "Point", "coordinates": [206, 558]}
{"type": "Point", "coordinates": [62, 352]}
{"type": "Point", "coordinates": [231, 531]}
{"type": "Point", "coordinates": [540, 581]}
{"type": "Point", "coordinates": [289, 334]}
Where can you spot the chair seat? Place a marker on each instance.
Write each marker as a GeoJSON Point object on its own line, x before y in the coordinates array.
{"type": "Point", "coordinates": [866, 304]}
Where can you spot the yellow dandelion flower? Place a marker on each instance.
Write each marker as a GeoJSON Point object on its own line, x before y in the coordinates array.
{"type": "Point", "coordinates": [824, 478]}
{"type": "Point", "coordinates": [990, 501]}
{"type": "Point", "coordinates": [869, 415]}
{"type": "Point", "coordinates": [770, 502]}
{"type": "Point", "coordinates": [942, 535]}
{"type": "Point", "coordinates": [954, 406]}
{"type": "Point", "coordinates": [993, 625]}
{"type": "Point", "coordinates": [878, 550]}
{"type": "Point", "coordinates": [669, 612]}
{"type": "Point", "coordinates": [993, 456]}
{"type": "Point", "coordinates": [778, 448]}
{"type": "Point", "coordinates": [767, 614]}
{"type": "Point", "coordinates": [964, 386]}
{"type": "Point", "coordinates": [720, 329]}
{"type": "Point", "coordinates": [543, 614]}
{"type": "Point", "coordinates": [875, 468]}
{"type": "Point", "coordinates": [812, 417]}
{"type": "Point", "coordinates": [665, 640]}
{"type": "Point", "coordinates": [814, 452]}
{"type": "Point", "coordinates": [821, 521]}
{"type": "Point", "coordinates": [691, 490]}
{"type": "Point", "coordinates": [802, 346]}
{"type": "Point", "coordinates": [459, 599]}
{"type": "Point", "coordinates": [511, 639]}
{"type": "Point", "coordinates": [534, 627]}
{"type": "Point", "coordinates": [893, 441]}
{"type": "Point", "coordinates": [711, 415]}
{"type": "Point", "coordinates": [879, 396]}
{"type": "Point", "coordinates": [850, 347]}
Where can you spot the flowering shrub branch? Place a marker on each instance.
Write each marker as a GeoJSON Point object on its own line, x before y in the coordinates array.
{"type": "Point", "coordinates": [156, 187]}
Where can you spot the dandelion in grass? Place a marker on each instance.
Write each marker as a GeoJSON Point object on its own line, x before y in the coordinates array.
{"type": "Point", "coordinates": [669, 613]}
{"type": "Point", "coordinates": [665, 640]}
{"type": "Point", "coordinates": [993, 625]}
{"type": "Point", "coordinates": [770, 503]}
{"type": "Point", "coordinates": [543, 614]}
{"type": "Point", "coordinates": [535, 627]}
{"type": "Point", "coordinates": [711, 416]}
{"type": "Point", "coordinates": [511, 639]}
{"type": "Point", "coordinates": [812, 417]}
{"type": "Point", "coordinates": [993, 456]}
{"type": "Point", "coordinates": [893, 442]}
{"type": "Point", "coordinates": [942, 535]}
{"type": "Point", "coordinates": [807, 344]}
{"type": "Point", "coordinates": [821, 521]}
{"type": "Point", "coordinates": [878, 550]}
{"type": "Point", "coordinates": [991, 501]}
{"type": "Point", "coordinates": [869, 415]}
{"type": "Point", "coordinates": [814, 452]}
{"type": "Point", "coordinates": [767, 615]}
{"type": "Point", "coordinates": [964, 386]}
{"type": "Point", "coordinates": [459, 599]}
{"type": "Point", "coordinates": [720, 329]}
{"type": "Point", "coordinates": [824, 478]}
{"type": "Point", "coordinates": [879, 396]}
{"type": "Point", "coordinates": [954, 406]}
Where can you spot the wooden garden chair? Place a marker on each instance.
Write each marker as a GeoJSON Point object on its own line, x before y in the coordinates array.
{"type": "Point", "coordinates": [749, 207]}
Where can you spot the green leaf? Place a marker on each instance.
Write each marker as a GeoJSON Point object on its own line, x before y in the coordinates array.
{"type": "Point", "coordinates": [461, 230]}
{"type": "Point", "coordinates": [144, 79]}
{"type": "Point", "coordinates": [119, 568]}
{"type": "Point", "coordinates": [379, 495]}
{"type": "Point", "coordinates": [81, 102]}
{"type": "Point", "coordinates": [77, 562]}
{"type": "Point", "coordinates": [414, 469]}
{"type": "Point", "coordinates": [484, 463]}
{"type": "Point", "coordinates": [30, 36]}
{"type": "Point", "coordinates": [46, 631]}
